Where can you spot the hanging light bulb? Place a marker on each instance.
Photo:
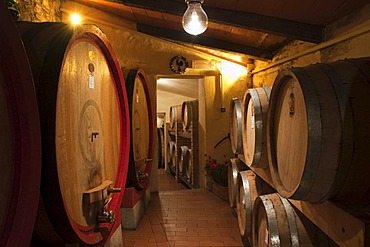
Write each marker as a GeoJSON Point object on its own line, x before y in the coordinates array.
{"type": "Point", "coordinates": [195, 20]}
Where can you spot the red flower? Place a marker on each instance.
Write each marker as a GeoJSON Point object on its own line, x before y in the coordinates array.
{"type": "Point", "coordinates": [213, 165]}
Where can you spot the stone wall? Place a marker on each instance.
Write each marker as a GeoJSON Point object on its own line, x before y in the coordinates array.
{"type": "Point", "coordinates": [39, 10]}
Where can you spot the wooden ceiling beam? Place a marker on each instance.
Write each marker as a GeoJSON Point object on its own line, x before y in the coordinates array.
{"type": "Point", "coordinates": [204, 41]}
{"type": "Point", "coordinates": [268, 24]}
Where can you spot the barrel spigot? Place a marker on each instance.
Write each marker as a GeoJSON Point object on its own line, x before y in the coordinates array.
{"type": "Point", "coordinates": [106, 217]}
{"type": "Point", "coordinates": [96, 201]}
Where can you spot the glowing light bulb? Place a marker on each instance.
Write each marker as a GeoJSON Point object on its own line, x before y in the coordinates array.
{"type": "Point", "coordinates": [194, 20]}
{"type": "Point", "coordinates": [75, 19]}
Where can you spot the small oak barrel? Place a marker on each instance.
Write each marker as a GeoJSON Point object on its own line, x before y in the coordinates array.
{"type": "Point", "coordinates": [185, 164]}
{"type": "Point", "coordinates": [189, 167]}
{"type": "Point", "coordinates": [235, 166]}
{"type": "Point", "coordinates": [85, 132]}
{"type": "Point", "coordinates": [20, 139]}
{"type": "Point", "coordinates": [183, 159]}
{"type": "Point", "coordinates": [249, 187]}
{"type": "Point", "coordinates": [318, 129]}
{"type": "Point", "coordinates": [168, 153]}
{"type": "Point", "coordinates": [255, 106]}
{"type": "Point", "coordinates": [276, 223]}
{"type": "Point", "coordinates": [235, 125]}
{"type": "Point", "coordinates": [171, 154]}
{"type": "Point", "coordinates": [189, 112]}
{"type": "Point", "coordinates": [174, 161]}
{"type": "Point", "coordinates": [142, 129]}
{"type": "Point", "coordinates": [175, 116]}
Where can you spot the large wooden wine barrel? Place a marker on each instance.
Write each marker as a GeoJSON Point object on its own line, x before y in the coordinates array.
{"type": "Point", "coordinates": [235, 125]}
{"type": "Point", "coordinates": [249, 187]}
{"type": "Point", "coordinates": [85, 132]}
{"type": "Point", "coordinates": [142, 129]}
{"type": "Point", "coordinates": [276, 223]}
{"type": "Point", "coordinates": [175, 116]}
{"type": "Point", "coordinates": [318, 129]}
{"type": "Point", "coordinates": [20, 139]}
{"type": "Point", "coordinates": [255, 106]}
{"type": "Point", "coordinates": [189, 114]}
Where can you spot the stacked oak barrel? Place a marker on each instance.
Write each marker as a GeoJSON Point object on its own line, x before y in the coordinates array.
{"type": "Point", "coordinates": [307, 137]}
{"type": "Point", "coordinates": [183, 147]}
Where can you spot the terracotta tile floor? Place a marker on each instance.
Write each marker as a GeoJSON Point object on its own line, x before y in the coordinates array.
{"type": "Point", "coordinates": [178, 216]}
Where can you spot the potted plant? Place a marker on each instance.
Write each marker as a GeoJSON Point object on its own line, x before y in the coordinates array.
{"type": "Point", "coordinates": [218, 175]}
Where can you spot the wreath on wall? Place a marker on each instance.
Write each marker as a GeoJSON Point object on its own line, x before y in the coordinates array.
{"type": "Point", "coordinates": [178, 64]}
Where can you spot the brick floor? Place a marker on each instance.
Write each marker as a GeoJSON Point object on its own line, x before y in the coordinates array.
{"type": "Point", "coordinates": [178, 216]}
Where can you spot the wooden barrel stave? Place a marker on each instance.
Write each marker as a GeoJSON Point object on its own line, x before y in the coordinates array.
{"type": "Point", "coordinates": [70, 113]}
{"type": "Point", "coordinates": [142, 129]}
{"type": "Point", "coordinates": [255, 105]}
{"type": "Point", "coordinates": [235, 125]}
{"type": "Point", "coordinates": [330, 166]}
{"type": "Point", "coordinates": [20, 142]}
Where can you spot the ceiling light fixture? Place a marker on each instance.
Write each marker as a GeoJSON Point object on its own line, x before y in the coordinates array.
{"type": "Point", "coordinates": [194, 20]}
{"type": "Point", "coordinates": [75, 19]}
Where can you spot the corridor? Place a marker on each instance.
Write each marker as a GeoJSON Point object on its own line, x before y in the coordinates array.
{"type": "Point", "coordinates": [178, 216]}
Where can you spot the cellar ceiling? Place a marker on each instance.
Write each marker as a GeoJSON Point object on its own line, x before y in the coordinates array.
{"type": "Point", "coordinates": [257, 28]}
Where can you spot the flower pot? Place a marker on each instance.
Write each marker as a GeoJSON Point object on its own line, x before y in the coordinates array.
{"type": "Point", "coordinates": [220, 191]}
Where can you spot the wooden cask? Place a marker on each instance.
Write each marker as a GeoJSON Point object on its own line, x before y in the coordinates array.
{"type": "Point", "coordinates": [20, 138]}
{"type": "Point", "coordinates": [235, 166]}
{"type": "Point", "coordinates": [190, 166]}
{"type": "Point", "coordinates": [171, 154]}
{"type": "Point", "coordinates": [277, 224]}
{"type": "Point", "coordinates": [175, 117]}
{"type": "Point", "coordinates": [255, 106]}
{"type": "Point", "coordinates": [142, 129]}
{"type": "Point", "coordinates": [85, 132]}
{"type": "Point", "coordinates": [186, 162]}
{"type": "Point", "coordinates": [249, 187]}
{"type": "Point", "coordinates": [235, 125]}
{"type": "Point", "coordinates": [318, 129]}
{"type": "Point", "coordinates": [189, 113]}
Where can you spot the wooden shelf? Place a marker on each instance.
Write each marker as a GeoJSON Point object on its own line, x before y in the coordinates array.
{"type": "Point", "coordinates": [187, 138]}
{"type": "Point", "coordinates": [343, 228]}
{"type": "Point", "coordinates": [186, 134]}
